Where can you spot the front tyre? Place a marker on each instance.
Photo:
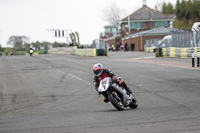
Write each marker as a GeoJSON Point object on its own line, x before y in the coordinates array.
{"type": "Point", "coordinates": [116, 101]}
{"type": "Point", "coordinates": [134, 103]}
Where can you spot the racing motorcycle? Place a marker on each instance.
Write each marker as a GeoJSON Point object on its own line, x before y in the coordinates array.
{"type": "Point", "coordinates": [117, 95]}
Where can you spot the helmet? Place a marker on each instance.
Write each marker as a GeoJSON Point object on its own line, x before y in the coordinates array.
{"type": "Point", "coordinates": [98, 69]}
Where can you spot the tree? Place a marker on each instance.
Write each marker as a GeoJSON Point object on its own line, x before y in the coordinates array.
{"type": "Point", "coordinates": [188, 13]}
{"type": "Point", "coordinates": [18, 41]}
{"type": "Point", "coordinates": [170, 8]}
{"type": "Point", "coordinates": [159, 5]}
{"type": "Point", "coordinates": [164, 8]}
{"type": "Point", "coordinates": [57, 44]}
{"type": "Point", "coordinates": [178, 10]}
{"type": "Point", "coordinates": [196, 9]}
{"type": "Point", "coordinates": [167, 8]}
{"type": "Point", "coordinates": [183, 8]}
{"type": "Point", "coordinates": [113, 14]}
{"type": "Point", "coordinates": [36, 45]}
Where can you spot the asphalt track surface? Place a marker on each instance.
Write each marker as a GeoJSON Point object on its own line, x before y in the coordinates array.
{"type": "Point", "coordinates": [55, 94]}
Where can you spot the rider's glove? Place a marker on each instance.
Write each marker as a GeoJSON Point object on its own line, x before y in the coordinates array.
{"type": "Point", "coordinates": [114, 80]}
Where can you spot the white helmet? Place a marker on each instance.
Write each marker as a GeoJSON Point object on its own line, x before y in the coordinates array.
{"type": "Point", "coordinates": [98, 69]}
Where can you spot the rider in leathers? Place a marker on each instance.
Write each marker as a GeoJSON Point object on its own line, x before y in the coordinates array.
{"type": "Point", "coordinates": [101, 73]}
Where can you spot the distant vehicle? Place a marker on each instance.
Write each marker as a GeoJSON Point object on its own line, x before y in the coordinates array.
{"type": "Point", "coordinates": [196, 27]}
{"type": "Point", "coordinates": [166, 41]}
{"type": "Point", "coordinates": [31, 51]}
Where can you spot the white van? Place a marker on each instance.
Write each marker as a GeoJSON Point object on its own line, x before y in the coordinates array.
{"type": "Point", "coordinates": [196, 26]}
{"type": "Point", "coordinates": [196, 30]}
{"type": "Point", "coordinates": [166, 41]}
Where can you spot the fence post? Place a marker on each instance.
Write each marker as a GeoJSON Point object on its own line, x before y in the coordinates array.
{"type": "Point", "coordinates": [193, 64]}
{"type": "Point", "coordinates": [197, 57]}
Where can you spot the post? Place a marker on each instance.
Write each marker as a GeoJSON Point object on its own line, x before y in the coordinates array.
{"type": "Point", "coordinates": [193, 64]}
{"type": "Point", "coordinates": [197, 57]}
{"type": "Point", "coordinates": [129, 25]}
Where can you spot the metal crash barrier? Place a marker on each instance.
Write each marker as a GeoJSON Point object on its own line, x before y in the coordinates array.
{"type": "Point", "coordinates": [174, 52]}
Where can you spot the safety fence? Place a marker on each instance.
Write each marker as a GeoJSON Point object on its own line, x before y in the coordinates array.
{"type": "Point", "coordinates": [34, 53]}
{"type": "Point", "coordinates": [173, 51]}
{"type": "Point", "coordinates": [80, 52]}
{"type": "Point", "coordinates": [61, 50]}
{"type": "Point", "coordinates": [179, 38]}
{"type": "Point", "coordinates": [185, 38]}
{"type": "Point", "coordinates": [85, 52]}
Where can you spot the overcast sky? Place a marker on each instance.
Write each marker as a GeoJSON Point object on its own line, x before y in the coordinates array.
{"type": "Point", "coordinates": [32, 18]}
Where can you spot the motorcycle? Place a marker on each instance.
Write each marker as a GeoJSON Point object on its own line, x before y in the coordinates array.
{"type": "Point", "coordinates": [31, 52]}
{"type": "Point", "coordinates": [117, 95]}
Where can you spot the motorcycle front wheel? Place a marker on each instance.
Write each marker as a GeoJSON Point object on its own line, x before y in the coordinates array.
{"type": "Point", "coordinates": [134, 103]}
{"type": "Point", "coordinates": [116, 101]}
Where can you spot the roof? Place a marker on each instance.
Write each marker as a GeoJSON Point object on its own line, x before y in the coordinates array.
{"type": "Point", "coordinates": [110, 26]}
{"type": "Point", "coordinates": [112, 37]}
{"type": "Point", "coordinates": [146, 13]}
{"type": "Point", "coordinates": [155, 31]}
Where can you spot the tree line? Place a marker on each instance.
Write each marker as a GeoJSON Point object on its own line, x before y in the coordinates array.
{"type": "Point", "coordinates": [22, 43]}
{"type": "Point", "coordinates": [187, 12]}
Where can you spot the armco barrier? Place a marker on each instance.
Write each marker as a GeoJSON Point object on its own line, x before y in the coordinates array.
{"type": "Point", "coordinates": [34, 53]}
{"type": "Point", "coordinates": [183, 52]}
{"type": "Point", "coordinates": [175, 52]}
{"type": "Point", "coordinates": [80, 52]}
{"type": "Point", "coordinates": [147, 49]}
{"type": "Point", "coordinates": [164, 52]}
{"type": "Point", "coordinates": [61, 50]}
{"type": "Point", "coordinates": [85, 52]}
{"type": "Point", "coordinates": [172, 52]}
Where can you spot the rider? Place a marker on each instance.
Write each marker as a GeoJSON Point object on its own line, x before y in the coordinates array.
{"type": "Point", "coordinates": [101, 73]}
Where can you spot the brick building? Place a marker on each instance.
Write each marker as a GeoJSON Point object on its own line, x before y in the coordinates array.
{"type": "Point", "coordinates": [134, 28]}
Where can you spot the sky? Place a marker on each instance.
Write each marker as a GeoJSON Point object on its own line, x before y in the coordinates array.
{"type": "Point", "coordinates": [36, 18]}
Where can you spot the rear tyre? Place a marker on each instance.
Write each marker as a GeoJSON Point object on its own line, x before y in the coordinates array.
{"type": "Point", "coordinates": [116, 102]}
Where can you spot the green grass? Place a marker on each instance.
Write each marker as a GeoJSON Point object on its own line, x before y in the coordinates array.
{"type": "Point", "coordinates": [20, 52]}
{"type": "Point", "coordinates": [23, 52]}
{"type": "Point", "coordinates": [2, 52]}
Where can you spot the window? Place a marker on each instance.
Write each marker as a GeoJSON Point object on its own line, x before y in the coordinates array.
{"type": "Point", "coordinates": [108, 30]}
{"type": "Point", "coordinates": [123, 27]}
{"type": "Point", "coordinates": [159, 24]}
{"type": "Point", "coordinates": [136, 25]}
{"type": "Point", "coordinates": [112, 30]}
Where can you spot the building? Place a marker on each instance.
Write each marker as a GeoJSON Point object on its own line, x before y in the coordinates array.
{"type": "Point", "coordinates": [139, 39]}
{"type": "Point", "coordinates": [143, 19]}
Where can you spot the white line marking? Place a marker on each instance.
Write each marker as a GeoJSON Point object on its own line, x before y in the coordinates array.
{"type": "Point", "coordinates": [59, 71]}
{"type": "Point", "coordinates": [147, 57]}
{"type": "Point", "coordinates": [79, 78]}
{"type": "Point", "coordinates": [74, 76]}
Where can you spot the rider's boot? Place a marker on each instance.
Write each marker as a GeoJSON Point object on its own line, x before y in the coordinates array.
{"type": "Point", "coordinates": [105, 100]}
{"type": "Point", "coordinates": [127, 88]}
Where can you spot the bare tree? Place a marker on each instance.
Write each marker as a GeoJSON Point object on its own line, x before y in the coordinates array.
{"type": "Point", "coordinates": [159, 5]}
{"type": "Point", "coordinates": [113, 14]}
{"type": "Point", "coordinates": [18, 41]}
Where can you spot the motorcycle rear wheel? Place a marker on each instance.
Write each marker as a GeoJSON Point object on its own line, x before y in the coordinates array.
{"type": "Point", "coordinates": [116, 102]}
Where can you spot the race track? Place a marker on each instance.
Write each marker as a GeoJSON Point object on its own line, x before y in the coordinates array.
{"type": "Point", "coordinates": [55, 94]}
